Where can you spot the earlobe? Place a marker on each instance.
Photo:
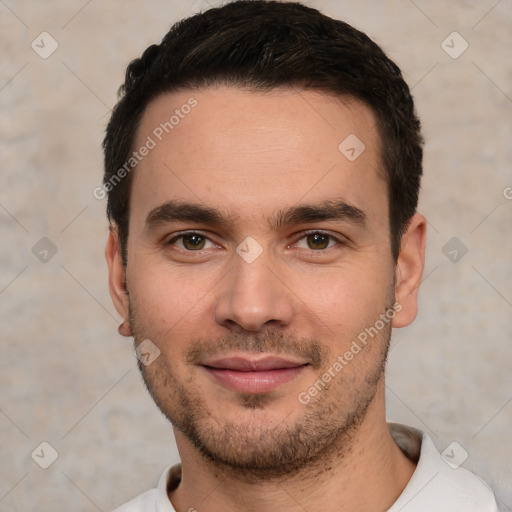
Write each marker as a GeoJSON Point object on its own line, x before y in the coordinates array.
{"type": "Point", "coordinates": [116, 279]}
{"type": "Point", "coordinates": [409, 271]}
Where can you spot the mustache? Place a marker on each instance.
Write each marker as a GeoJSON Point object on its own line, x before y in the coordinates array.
{"type": "Point", "coordinates": [268, 342]}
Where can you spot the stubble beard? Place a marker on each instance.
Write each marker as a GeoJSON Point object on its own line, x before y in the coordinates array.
{"type": "Point", "coordinates": [256, 450]}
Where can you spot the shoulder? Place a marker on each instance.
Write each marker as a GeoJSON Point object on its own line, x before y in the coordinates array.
{"type": "Point", "coordinates": [155, 500]}
{"type": "Point", "coordinates": [145, 502]}
{"type": "Point", "coordinates": [436, 484]}
{"type": "Point", "coordinates": [464, 490]}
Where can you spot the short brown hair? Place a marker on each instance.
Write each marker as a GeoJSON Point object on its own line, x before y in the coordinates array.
{"type": "Point", "coordinates": [261, 45]}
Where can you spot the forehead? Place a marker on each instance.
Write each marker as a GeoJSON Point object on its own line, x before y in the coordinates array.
{"type": "Point", "coordinates": [239, 148]}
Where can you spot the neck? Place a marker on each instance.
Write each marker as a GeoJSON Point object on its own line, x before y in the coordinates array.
{"type": "Point", "coordinates": [369, 475]}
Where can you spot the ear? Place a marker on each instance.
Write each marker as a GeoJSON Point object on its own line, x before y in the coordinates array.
{"type": "Point", "coordinates": [409, 270]}
{"type": "Point", "coordinates": [116, 274]}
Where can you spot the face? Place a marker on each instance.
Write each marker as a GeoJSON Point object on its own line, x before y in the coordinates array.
{"type": "Point", "coordinates": [258, 259]}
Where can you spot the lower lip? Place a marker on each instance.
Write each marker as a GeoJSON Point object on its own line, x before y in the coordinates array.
{"type": "Point", "coordinates": [256, 381]}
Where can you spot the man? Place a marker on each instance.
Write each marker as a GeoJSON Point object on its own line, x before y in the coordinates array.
{"type": "Point", "coordinates": [262, 168]}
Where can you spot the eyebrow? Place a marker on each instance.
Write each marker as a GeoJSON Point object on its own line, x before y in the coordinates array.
{"type": "Point", "coordinates": [338, 210]}
{"type": "Point", "coordinates": [180, 211]}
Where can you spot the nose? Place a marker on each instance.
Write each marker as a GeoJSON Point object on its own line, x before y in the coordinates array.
{"type": "Point", "coordinates": [253, 296]}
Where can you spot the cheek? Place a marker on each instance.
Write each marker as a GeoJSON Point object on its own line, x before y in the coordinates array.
{"type": "Point", "coordinates": [346, 296]}
{"type": "Point", "coordinates": [168, 304]}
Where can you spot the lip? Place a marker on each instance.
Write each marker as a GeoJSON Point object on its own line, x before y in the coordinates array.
{"type": "Point", "coordinates": [246, 375]}
{"type": "Point", "coordinates": [244, 364]}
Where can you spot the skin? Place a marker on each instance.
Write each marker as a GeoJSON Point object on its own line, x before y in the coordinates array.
{"type": "Point", "coordinates": [250, 155]}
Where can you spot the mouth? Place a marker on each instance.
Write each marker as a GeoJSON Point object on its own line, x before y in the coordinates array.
{"type": "Point", "coordinates": [247, 375]}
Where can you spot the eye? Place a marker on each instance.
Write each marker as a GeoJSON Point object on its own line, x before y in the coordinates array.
{"type": "Point", "coordinates": [317, 241]}
{"type": "Point", "coordinates": [191, 242]}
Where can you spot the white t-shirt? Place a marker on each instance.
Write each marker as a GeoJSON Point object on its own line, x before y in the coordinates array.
{"type": "Point", "coordinates": [435, 486]}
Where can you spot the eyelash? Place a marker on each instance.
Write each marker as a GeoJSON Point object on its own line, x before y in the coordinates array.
{"type": "Point", "coordinates": [183, 235]}
{"type": "Point", "coordinates": [339, 241]}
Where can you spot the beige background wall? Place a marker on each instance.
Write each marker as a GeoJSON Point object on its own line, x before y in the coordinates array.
{"type": "Point", "coordinates": [68, 378]}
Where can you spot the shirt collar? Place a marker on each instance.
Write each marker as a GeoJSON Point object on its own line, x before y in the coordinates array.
{"type": "Point", "coordinates": [433, 479]}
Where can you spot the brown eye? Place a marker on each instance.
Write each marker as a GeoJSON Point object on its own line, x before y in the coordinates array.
{"type": "Point", "coordinates": [191, 247]}
{"type": "Point", "coordinates": [193, 242]}
{"type": "Point", "coordinates": [318, 241]}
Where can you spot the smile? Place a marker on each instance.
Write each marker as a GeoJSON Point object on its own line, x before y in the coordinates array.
{"type": "Point", "coordinates": [253, 376]}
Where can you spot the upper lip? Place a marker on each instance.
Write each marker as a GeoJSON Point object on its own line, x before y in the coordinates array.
{"type": "Point", "coordinates": [245, 364]}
